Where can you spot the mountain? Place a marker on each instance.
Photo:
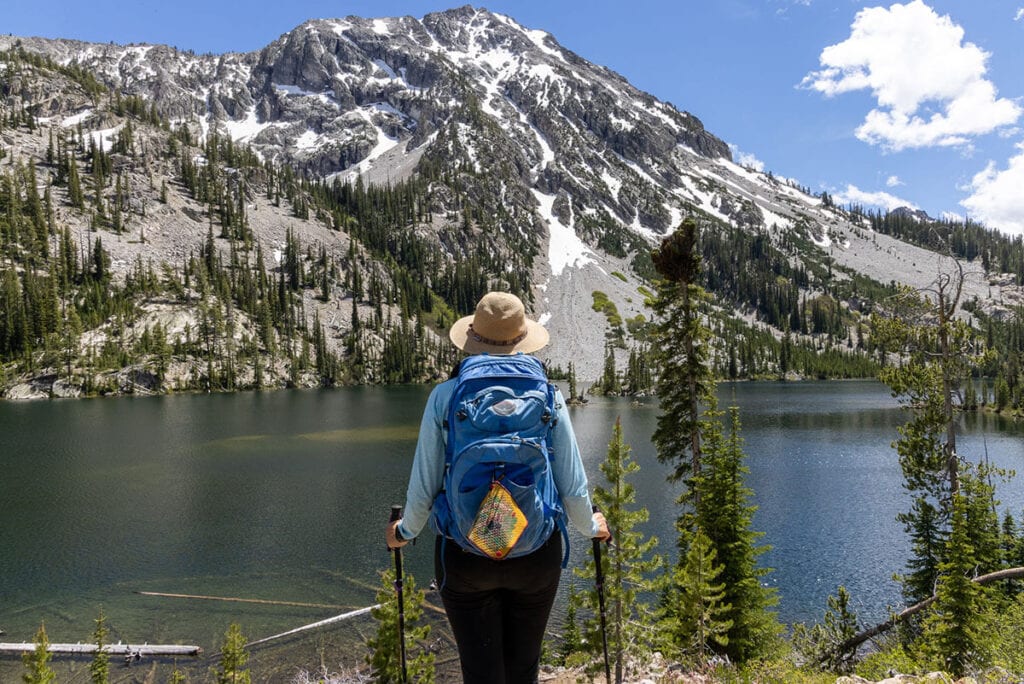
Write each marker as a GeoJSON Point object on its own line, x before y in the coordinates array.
{"type": "Point", "coordinates": [551, 175]}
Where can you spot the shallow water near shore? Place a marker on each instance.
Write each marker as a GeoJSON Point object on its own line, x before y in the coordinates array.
{"type": "Point", "coordinates": [282, 496]}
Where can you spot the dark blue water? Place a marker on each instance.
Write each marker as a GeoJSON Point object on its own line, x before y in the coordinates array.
{"type": "Point", "coordinates": [283, 496]}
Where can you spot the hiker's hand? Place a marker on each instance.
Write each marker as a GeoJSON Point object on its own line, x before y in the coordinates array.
{"type": "Point", "coordinates": [603, 533]}
{"type": "Point", "coordinates": [392, 538]}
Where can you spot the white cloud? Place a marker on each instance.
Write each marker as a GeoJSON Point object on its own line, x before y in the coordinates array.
{"type": "Point", "coordinates": [996, 198]}
{"type": "Point", "coordinates": [854, 195]}
{"type": "Point", "coordinates": [929, 85]}
{"type": "Point", "coordinates": [893, 182]}
{"type": "Point", "coordinates": [1019, 15]}
{"type": "Point", "coordinates": [746, 159]}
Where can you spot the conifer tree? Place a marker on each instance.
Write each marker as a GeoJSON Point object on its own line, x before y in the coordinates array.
{"type": "Point", "coordinates": [75, 195]}
{"type": "Point", "coordinates": [37, 661]}
{"type": "Point", "coordinates": [233, 658]}
{"type": "Point", "coordinates": [572, 640]}
{"type": "Point", "coordinates": [99, 668]}
{"type": "Point", "coordinates": [385, 656]}
{"type": "Point", "coordinates": [725, 515]}
{"type": "Point", "coordinates": [688, 433]}
{"type": "Point", "coordinates": [572, 382]}
{"type": "Point", "coordinates": [685, 380]}
{"type": "Point", "coordinates": [953, 629]}
{"type": "Point", "coordinates": [628, 565]}
{"type": "Point", "coordinates": [701, 625]}
{"type": "Point", "coordinates": [939, 353]}
{"type": "Point", "coordinates": [821, 643]}
{"type": "Point", "coordinates": [609, 377]}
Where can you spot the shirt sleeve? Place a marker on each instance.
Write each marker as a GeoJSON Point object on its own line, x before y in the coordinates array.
{"type": "Point", "coordinates": [567, 468]}
{"type": "Point", "coordinates": [427, 477]}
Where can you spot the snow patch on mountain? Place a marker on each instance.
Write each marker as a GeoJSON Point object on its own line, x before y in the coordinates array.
{"type": "Point", "coordinates": [773, 219]}
{"type": "Point", "coordinates": [613, 183]}
{"type": "Point", "coordinates": [246, 129]}
{"type": "Point", "coordinates": [307, 141]}
{"type": "Point", "coordinates": [383, 66]}
{"type": "Point", "coordinates": [75, 119]}
{"type": "Point", "coordinates": [105, 139]}
{"type": "Point", "coordinates": [566, 249]}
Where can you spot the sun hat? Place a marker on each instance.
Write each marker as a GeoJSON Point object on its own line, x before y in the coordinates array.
{"type": "Point", "coordinates": [499, 326]}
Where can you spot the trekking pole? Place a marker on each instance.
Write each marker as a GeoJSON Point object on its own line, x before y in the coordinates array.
{"type": "Point", "coordinates": [396, 514]}
{"type": "Point", "coordinates": [599, 581]}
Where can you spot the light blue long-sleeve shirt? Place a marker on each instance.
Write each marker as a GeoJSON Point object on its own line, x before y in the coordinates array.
{"type": "Point", "coordinates": [427, 478]}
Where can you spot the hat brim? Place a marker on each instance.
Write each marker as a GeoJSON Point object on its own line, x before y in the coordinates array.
{"type": "Point", "coordinates": [536, 338]}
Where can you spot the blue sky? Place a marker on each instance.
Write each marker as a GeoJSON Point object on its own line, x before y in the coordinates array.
{"type": "Point", "coordinates": [917, 102]}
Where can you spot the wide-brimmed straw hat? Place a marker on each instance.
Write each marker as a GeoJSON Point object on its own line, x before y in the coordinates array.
{"type": "Point", "coordinates": [499, 326]}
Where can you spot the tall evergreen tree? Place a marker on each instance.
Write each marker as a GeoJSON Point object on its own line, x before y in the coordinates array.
{"type": "Point", "coordinates": [953, 629]}
{"type": "Point", "coordinates": [939, 352]}
{"type": "Point", "coordinates": [685, 379]}
{"type": "Point", "coordinates": [725, 515]}
{"type": "Point", "coordinates": [689, 432]}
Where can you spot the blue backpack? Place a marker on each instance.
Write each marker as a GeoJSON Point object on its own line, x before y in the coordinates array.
{"type": "Point", "coordinates": [499, 424]}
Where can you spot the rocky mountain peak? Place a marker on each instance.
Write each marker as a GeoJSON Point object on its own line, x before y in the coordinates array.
{"type": "Point", "coordinates": [555, 167]}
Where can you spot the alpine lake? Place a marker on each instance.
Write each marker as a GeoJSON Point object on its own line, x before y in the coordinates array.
{"type": "Point", "coordinates": [282, 497]}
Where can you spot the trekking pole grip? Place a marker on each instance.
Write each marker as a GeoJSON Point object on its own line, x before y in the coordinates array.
{"type": "Point", "coordinates": [396, 514]}
{"type": "Point", "coordinates": [594, 508]}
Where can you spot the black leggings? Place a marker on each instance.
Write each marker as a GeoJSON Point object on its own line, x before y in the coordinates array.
{"type": "Point", "coordinates": [498, 610]}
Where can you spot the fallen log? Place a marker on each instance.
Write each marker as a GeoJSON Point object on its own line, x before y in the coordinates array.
{"type": "Point", "coordinates": [855, 641]}
{"type": "Point", "coordinates": [321, 623]}
{"type": "Point", "coordinates": [131, 650]}
{"type": "Point", "coordinates": [268, 602]}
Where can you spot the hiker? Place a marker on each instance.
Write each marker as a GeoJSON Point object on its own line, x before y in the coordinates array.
{"type": "Point", "coordinates": [499, 584]}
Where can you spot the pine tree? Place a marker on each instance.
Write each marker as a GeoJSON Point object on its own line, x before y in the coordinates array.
{"type": "Point", "coordinates": [71, 329]}
{"type": "Point", "coordinates": [75, 195]}
{"type": "Point", "coordinates": [821, 643]}
{"type": "Point", "coordinates": [939, 354]}
{"type": "Point", "coordinates": [702, 621]}
{"type": "Point", "coordinates": [609, 377]}
{"type": "Point", "coordinates": [99, 668]}
{"type": "Point", "coordinates": [688, 434]}
{"type": "Point", "coordinates": [686, 379]}
{"type": "Point", "coordinates": [953, 629]}
{"type": "Point", "coordinates": [572, 639]}
{"type": "Point", "coordinates": [572, 382]}
{"type": "Point", "coordinates": [385, 655]}
{"type": "Point", "coordinates": [725, 515]}
{"type": "Point", "coordinates": [233, 658]}
{"type": "Point", "coordinates": [37, 661]}
{"type": "Point", "coordinates": [627, 565]}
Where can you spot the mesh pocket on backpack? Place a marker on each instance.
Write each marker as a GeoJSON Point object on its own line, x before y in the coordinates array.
{"type": "Point", "coordinates": [499, 523]}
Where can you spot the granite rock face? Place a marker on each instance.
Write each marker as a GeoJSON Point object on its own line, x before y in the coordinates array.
{"type": "Point", "coordinates": [331, 95]}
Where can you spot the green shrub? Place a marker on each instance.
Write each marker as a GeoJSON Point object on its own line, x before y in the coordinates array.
{"type": "Point", "coordinates": [877, 666]}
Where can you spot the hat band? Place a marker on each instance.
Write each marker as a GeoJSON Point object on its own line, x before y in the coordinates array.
{"type": "Point", "coordinates": [495, 343]}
